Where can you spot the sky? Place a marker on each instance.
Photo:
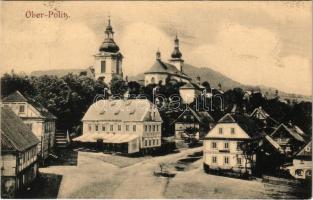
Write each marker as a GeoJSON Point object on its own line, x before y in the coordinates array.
{"type": "Point", "coordinates": [255, 43]}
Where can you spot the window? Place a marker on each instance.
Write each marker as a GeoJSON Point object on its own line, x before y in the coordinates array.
{"type": "Point", "coordinates": [117, 67]}
{"type": "Point", "coordinates": [307, 149]}
{"type": "Point", "coordinates": [238, 161]}
{"type": "Point", "coordinates": [153, 127]}
{"type": "Point", "coordinates": [220, 130]}
{"type": "Point", "coordinates": [119, 127]}
{"type": "Point", "coordinates": [22, 108]}
{"type": "Point", "coordinates": [157, 127]}
{"type": "Point", "coordinates": [238, 146]}
{"type": "Point", "coordinates": [30, 126]}
{"type": "Point", "coordinates": [89, 127]}
{"type": "Point", "coordinates": [299, 172]}
{"type": "Point", "coordinates": [157, 142]}
{"type": "Point", "coordinates": [149, 128]}
{"type": "Point", "coordinates": [226, 145]}
{"type": "Point", "coordinates": [232, 130]}
{"type": "Point", "coordinates": [103, 127]}
{"type": "Point", "coordinates": [146, 128]}
{"type": "Point", "coordinates": [134, 127]}
{"type": "Point", "coordinates": [214, 145]}
{"type": "Point", "coordinates": [226, 160]}
{"type": "Point", "coordinates": [96, 127]}
{"type": "Point", "coordinates": [149, 142]}
{"type": "Point", "coordinates": [111, 127]}
{"type": "Point", "coordinates": [152, 80]}
{"type": "Point", "coordinates": [127, 127]}
{"type": "Point", "coordinates": [214, 159]}
{"type": "Point", "coordinates": [146, 143]}
{"type": "Point", "coordinates": [103, 66]}
{"type": "Point", "coordinates": [153, 142]}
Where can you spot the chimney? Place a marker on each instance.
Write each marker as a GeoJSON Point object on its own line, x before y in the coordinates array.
{"type": "Point", "coordinates": [198, 80]}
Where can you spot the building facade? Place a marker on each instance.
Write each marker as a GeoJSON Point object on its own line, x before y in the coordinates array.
{"type": "Point", "coordinates": [222, 145]}
{"type": "Point", "coordinates": [128, 126]}
{"type": "Point", "coordinates": [302, 163]}
{"type": "Point", "coordinates": [108, 62]}
{"type": "Point", "coordinates": [18, 154]}
{"type": "Point", "coordinates": [38, 119]}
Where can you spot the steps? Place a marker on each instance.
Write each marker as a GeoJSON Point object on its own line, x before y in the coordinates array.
{"type": "Point", "coordinates": [61, 140]}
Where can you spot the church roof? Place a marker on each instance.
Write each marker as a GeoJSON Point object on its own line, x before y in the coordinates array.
{"type": "Point", "coordinates": [15, 135]}
{"type": "Point", "coordinates": [163, 67]}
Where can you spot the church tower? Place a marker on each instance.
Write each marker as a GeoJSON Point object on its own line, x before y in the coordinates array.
{"type": "Point", "coordinates": [108, 62]}
{"type": "Point", "coordinates": [176, 56]}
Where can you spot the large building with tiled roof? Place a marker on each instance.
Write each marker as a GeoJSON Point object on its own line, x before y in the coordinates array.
{"type": "Point", "coordinates": [18, 154]}
{"type": "Point", "coordinates": [126, 126]}
{"type": "Point", "coordinates": [222, 145]}
{"type": "Point", "coordinates": [38, 119]}
{"type": "Point", "coordinates": [162, 71]}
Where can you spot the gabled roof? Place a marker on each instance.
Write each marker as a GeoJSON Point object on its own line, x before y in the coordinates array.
{"type": "Point", "coordinates": [247, 124]}
{"type": "Point", "coordinates": [163, 67]}
{"type": "Point", "coordinates": [15, 97]}
{"type": "Point", "coordinates": [122, 110]}
{"type": "Point", "coordinates": [261, 114]}
{"type": "Point", "coordinates": [306, 150]}
{"type": "Point", "coordinates": [274, 144]}
{"type": "Point", "coordinates": [15, 135]}
{"type": "Point", "coordinates": [188, 86]}
{"type": "Point", "coordinates": [18, 97]}
{"type": "Point", "coordinates": [293, 130]}
{"type": "Point", "coordinates": [200, 117]}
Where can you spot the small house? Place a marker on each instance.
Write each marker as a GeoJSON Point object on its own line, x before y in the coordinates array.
{"type": "Point", "coordinates": [18, 154]}
{"type": "Point", "coordinates": [37, 118]}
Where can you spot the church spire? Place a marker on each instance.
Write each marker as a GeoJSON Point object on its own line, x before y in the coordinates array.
{"type": "Point", "coordinates": [108, 44]}
{"type": "Point", "coordinates": [158, 55]}
{"type": "Point", "coordinates": [176, 53]}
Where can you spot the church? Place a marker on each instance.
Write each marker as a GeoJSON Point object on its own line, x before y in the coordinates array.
{"type": "Point", "coordinates": [108, 61]}
{"type": "Point", "coordinates": [161, 71]}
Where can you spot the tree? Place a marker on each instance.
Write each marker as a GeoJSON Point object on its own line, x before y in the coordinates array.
{"type": "Point", "coordinates": [12, 82]}
{"type": "Point", "coordinates": [118, 86]}
{"type": "Point", "coordinates": [249, 149]}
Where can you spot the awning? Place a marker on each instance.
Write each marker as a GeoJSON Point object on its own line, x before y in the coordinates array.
{"type": "Point", "coordinates": [107, 137]}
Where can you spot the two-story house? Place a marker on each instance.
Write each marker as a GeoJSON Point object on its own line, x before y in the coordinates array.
{"type": "Point", "coordinates": [18, 154]}
{"type": "Point", "coordinates": [38, 119]}
{"type": "Point", "coordinates": [222, 146]}
{"type": "Point", "coordinates": [126, 126]}
{"type": "Point", "coordinates": [200, 122]}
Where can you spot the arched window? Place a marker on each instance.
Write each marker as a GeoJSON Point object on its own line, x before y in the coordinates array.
{"type": "Point", "coordinates": [152, 80]}
{"type": "Point", "coordinates": [103, 66]}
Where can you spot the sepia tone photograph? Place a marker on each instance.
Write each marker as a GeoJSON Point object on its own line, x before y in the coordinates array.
{"type": "Point", "coordinates": [156, 99]}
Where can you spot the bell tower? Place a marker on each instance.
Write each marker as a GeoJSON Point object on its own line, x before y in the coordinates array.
{"type": "Point", "coordinates": [176, 56]}
{"type": "Point", "coordinates": [108, 61]}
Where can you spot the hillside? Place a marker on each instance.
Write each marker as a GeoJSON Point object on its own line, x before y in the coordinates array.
{"type": "Point", "coordinates": [206, 74]}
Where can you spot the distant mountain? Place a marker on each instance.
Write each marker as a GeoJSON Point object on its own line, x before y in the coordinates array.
{"type": "Point", "coordinates": [214, 78]}
{"type": "Point", "coordinates": [206, 74]}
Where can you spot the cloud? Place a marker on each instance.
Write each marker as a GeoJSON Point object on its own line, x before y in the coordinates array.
{"type": "Point", "coordinates": [48, 45]}
{"type": "Point", "coordinates": [252, 56]}
{"type": "Point", "coordinates": [139, 43]}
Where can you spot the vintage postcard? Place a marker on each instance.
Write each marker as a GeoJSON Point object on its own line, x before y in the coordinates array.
{"type": "Point", "coordinates": [156, 99]}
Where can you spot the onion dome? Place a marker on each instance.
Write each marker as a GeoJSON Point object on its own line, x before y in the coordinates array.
{"type": "Point", "coordinates": [108, 45]}
{"type": "Point", "coordinates": [176, 53]}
